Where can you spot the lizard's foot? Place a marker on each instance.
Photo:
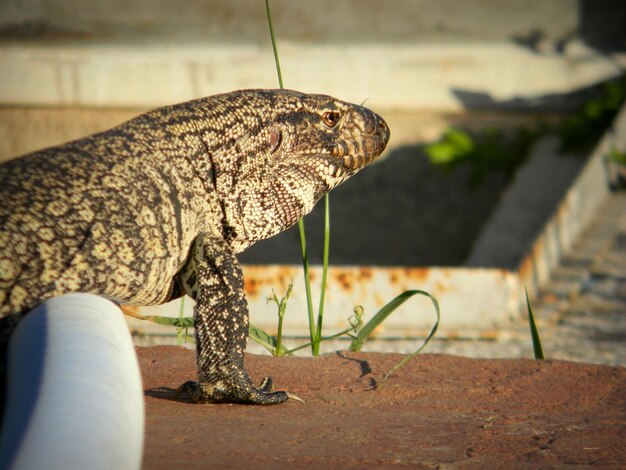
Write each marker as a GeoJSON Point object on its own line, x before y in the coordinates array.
{"type": "Point", "coordinates": [233, 392]}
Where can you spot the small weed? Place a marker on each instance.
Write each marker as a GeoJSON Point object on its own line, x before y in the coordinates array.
{"type": "Point", "coordinates": [382, 314]}
{"type": "Point", "coordinates": [182, 332]}
{"type": "Point", "coordinates": [271, 343]}
{"type": "Point", "coordinates": [356, 330]}
{"type": "Point", "coordinates": [277, 349]}
{"type": "Point", "coordinates": [534, 332]}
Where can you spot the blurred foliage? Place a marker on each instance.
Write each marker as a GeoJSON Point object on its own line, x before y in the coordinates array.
{"type": "Point", "coordinates": [617, 157]}
{"type": "Point", "coordinates": [584, 127]}
{"type": "Point", "coordinates": [491, 150]}
{"type": "Point", "coordinates": [494, 150]}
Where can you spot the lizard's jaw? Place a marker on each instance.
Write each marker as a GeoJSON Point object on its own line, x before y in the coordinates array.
{"type": "Point", "coordinates": [353, 155]}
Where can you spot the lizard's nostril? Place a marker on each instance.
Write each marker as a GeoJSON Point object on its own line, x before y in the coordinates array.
{"type": "Point", "coordinates": [383, 129]}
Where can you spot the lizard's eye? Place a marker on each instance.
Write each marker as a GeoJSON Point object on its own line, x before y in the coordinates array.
{"type": "Point", "coordinates": [330, 118]}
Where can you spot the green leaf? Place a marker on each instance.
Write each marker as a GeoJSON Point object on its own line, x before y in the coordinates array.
{"type": "Point", "coordinates": [440, 153]}
{"type": "Point", "coordinates": [461, 141]}
{"type": "Point", "coordinates": [387, 310]}
{"type": "Point", "coordinates": [266, 340]}
{"type": "Point", "coordinates": [384, 313]}
{"type": "Point", "coordinates": [455, 145]}
{"type": "Point", "coordinates": [179, 322]}
{"type": "Point", "coordinates": [617, 157]}
{"type": "Point", "coordinates": [534, 333]}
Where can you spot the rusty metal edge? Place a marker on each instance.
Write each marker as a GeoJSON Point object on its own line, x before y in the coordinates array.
{"type": "Point", "coordinates": [574, 213]}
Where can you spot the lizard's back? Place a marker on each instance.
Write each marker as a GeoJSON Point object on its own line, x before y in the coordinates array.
{"type": "Point", "coordinates": [39, 234]}
{"type": "Point", "coordinates": [85, 216]}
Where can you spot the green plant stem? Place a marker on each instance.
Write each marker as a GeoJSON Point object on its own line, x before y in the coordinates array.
{"type": "Point", "coordinates": [305, 257]}
{"type": "Point", "coordinates": [279, 333]}
{"type": "Point", "coordinates": [320, 315]}
{"type": "Point", "coordinates": [384, 313]}
{"type": "Point", "coordinates": [274, 47]}
{"type": "Point", "coordinates": [326, 338]}
{"type": "Point", "coordinates": [307, 283]}
{"type": "Point", "coordinates": [282, 308]}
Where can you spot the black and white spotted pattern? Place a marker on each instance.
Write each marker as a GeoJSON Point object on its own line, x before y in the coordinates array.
{"type": "Point", "coordinates": [159, 206]}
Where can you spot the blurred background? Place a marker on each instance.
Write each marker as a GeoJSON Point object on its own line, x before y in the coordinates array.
{"type": "Point", "coordinates": [398, 55]}
{"type": "Point", "coordinates": [472, 90]}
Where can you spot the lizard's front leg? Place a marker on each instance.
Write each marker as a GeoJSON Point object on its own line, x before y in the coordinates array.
{"type": "Point", "coordinates": [212, 277]}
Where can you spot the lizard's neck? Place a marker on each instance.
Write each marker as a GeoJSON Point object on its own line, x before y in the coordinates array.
{"type": "Point", "coordinates": [256, 210]}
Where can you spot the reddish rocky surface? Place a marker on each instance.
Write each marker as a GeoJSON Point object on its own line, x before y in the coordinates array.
{"type": "Point", "coordinates": [437, 411]}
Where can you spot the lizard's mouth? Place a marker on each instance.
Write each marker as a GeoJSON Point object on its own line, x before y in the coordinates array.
{"type": "Point", "coordinates": [354, 155]}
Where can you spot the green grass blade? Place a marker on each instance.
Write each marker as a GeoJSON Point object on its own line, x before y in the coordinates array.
{"type": "Point", "coordinates": [426, 341]}
{"type": "Point", "coordinates": [307, 284]}
{"type": "Point", "coordinates": [355, 322]}
{"type": "Point", "coordinates": [305, 258]}
{"type": "Point", "coordinates": [274, 46]}
{"type": "Point", "coordinates": [181, 333]}
{"type": "Point", "coordinates": [382, 314]}
{"type": "Point", "coordinates": [179, 322]}
{"type": "Point", "coordinates": [266, 340]}
{"type": "Point", "coordinates": [387, 310]}
{"type": "Point", "coordinates": [534, 332]}
{"type": "Point", "coordinates": [320, 314]}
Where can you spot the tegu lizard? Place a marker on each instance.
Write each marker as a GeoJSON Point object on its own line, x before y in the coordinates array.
{"type": "Point", "coordinates": [159, 207]}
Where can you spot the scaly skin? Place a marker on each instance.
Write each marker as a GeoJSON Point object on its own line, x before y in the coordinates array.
{"type": "Point", "coordinates": [159, 206]}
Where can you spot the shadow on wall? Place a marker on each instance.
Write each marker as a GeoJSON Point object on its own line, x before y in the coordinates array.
{"type": "Point", "coordinates": [602, 26]}
{"type": "Point", "coordinates": [402, 211]}
{"type": "Point", "coordinates": [553, 102]}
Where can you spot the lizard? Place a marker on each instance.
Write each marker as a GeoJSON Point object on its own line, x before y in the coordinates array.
{"type": "Point", "coordinates": [159, 207]}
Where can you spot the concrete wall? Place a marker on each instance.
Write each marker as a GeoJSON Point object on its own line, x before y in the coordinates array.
{"type": "Point", "coordinates": [321, 21]}
{"type": "Point", "coordinates": [407, 56]}
{"type": "Point", "coordinates": [446, 55]}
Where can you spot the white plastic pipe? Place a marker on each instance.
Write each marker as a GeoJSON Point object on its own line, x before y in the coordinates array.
{"type": "Point", "coordinates": [74, 393]}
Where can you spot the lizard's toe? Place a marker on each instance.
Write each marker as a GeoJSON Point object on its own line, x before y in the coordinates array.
{"type": "Point", "coordinates": [223, 392]}
{"type": "Point", "coordinates": [266, 384]}
{"type": "Point", "coordinates": [191, 389]}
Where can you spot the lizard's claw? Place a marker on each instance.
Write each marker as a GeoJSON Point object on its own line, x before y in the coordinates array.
{"type": "Point", "coordinates": [266, 384]}
{"type": "Point", "coordinates": [228, 392]}
{"type": "Point", "coordinates": [293, 396]}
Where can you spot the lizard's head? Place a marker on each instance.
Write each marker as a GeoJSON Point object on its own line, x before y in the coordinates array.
{"type": "Point", "coordinates": [323, 139]}
{"type": "Point", "coordinates": [305, 145]}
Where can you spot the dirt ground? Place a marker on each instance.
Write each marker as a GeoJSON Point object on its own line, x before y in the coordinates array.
{"type": "Point", "coordinates": [437, 412]}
